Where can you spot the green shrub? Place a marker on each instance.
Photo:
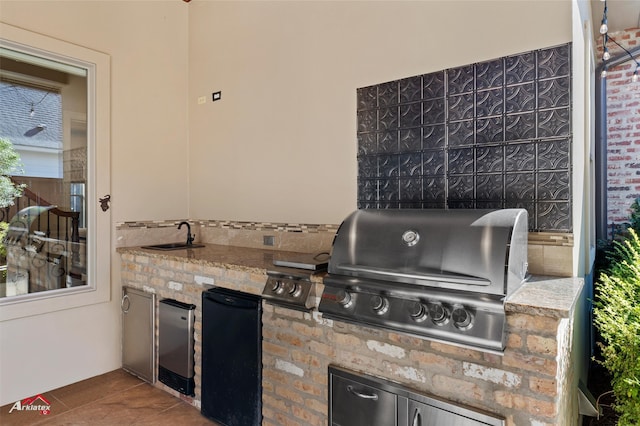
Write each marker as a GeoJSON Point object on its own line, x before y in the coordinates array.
{"type": "Point", "coordinates": [617, 317]}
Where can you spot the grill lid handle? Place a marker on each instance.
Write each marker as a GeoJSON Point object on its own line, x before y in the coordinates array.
{"type": "Point", "coordinates": [450, 277]}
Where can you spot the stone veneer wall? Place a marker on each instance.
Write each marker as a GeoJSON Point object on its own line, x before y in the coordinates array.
{"type": "Point", "coordinates": [531, 384]}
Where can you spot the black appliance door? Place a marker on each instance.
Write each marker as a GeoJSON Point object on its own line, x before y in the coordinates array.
{"type": "Point", "coordinates": [231, 357]}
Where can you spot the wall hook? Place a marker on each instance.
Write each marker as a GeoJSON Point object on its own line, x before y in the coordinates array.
{"type": "Point", "coordinates": [104, 202]}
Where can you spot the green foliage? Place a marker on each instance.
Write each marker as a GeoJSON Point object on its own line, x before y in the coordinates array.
{"type": "Point", "coordinates": [617, 316]}
{"type": "Point", "coordinates": [9, 164]}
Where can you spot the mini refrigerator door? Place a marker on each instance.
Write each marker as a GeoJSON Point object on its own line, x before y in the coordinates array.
{"type": "Point", "coordinates": [138, 336]}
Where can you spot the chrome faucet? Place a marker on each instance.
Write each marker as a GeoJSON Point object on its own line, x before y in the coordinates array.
{"type": "Point", "coordinates": [190, 237]}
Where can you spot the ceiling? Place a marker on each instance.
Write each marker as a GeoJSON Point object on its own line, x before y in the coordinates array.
{"type": "Point", "coordinates": [621, 15]}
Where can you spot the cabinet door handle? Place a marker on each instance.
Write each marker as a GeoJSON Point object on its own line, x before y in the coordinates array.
{"type": "Point", "coordinates": [125, 298]}
{"type": "Point", "coordinates": [371, 396]}
{"type": "Point", "coordinates": [417, 419]}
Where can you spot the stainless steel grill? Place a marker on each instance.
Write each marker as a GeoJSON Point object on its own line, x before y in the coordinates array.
{"type": "Point", "coordinates": [440, 274]}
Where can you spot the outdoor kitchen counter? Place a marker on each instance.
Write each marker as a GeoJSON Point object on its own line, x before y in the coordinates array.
{"type": "Point", "coordinates": [547, 296]}
{"type": "Point", "coordinates": [553, 297]}
{"type": "Point", "coordinates": [232, 257]}
{"type": "Point", "coordinates": [237, 268]}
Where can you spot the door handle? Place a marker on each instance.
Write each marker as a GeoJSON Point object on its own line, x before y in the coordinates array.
{"type": "Point", "coordinates": [371, 396]}
{"type": "Point", "coordinates": [417, 419]}
{"type": "Point", "coordinates": [125, 298]}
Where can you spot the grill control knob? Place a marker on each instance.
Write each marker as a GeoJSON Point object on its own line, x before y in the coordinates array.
{"type": "Point", "coordinates": [417, 311]}
{"type": "Point", "coordinates": [344, 298]}
{"type": "Point", "coordinates": [277, 286]}
{"type": "Point", "coordinates": [294, 289]}
{"type": "Point", "coordinates": [462, 318]}
{"type": "Point", "coordinates": [379, 304]}
{"type": "Point", "coordinates": [438, 313]}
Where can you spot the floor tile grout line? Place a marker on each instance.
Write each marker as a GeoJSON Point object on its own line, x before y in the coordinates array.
{"type": "Point", "coordinates": [91, 403]}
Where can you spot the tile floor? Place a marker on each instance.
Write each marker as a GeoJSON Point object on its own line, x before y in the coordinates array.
{"type": "Point", "coordinates": [115, 398]}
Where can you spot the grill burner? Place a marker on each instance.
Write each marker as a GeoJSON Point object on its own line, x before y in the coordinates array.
{"type": "Point", "coordinates": [440, 274]}
{"type": "Point", "coordinates": [289, 283]}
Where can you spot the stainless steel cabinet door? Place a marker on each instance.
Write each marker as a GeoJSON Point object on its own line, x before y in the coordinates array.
{"type": "Point", "coordinates": [356, 404]}
{"type": "Point", "coordinates": [138, 335]}
{"type": "Point", "coordinates": [427, 415]}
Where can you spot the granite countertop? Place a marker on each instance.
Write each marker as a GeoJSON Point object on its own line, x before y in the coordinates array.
{"type": "Point", "coordinates": [554, 297]}
{"type": "Point", "coordinates": [217, 255]}
{"type": "Point", "coordinates": [546, 296]}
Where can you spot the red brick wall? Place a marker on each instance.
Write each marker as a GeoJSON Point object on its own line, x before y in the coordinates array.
{"type": "Point", "coordinates": [623, 134]}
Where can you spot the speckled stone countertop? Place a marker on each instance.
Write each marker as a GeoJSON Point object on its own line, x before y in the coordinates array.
{"type": "Point", "coordinates": [217, 255]}
{"type": "Point", "coordinates": [541, 295]}
{"type": "Point", "coordinates": [554, 297]}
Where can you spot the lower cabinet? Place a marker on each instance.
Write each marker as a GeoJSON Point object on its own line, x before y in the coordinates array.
{"type": "Point", "coordinates": [138, 335]}
{"type": "Point", "coordinates": [357, 400]}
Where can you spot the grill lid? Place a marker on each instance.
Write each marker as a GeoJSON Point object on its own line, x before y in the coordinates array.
{"type": "Point", "coordinates": [472, 250]}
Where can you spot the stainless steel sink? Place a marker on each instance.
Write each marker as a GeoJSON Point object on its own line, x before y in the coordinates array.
{"type": "Point", "coordinates": [173, 246]}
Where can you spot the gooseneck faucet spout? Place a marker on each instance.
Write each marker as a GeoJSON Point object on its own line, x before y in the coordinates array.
{"type": "Point", "coordinates": [190, 237]}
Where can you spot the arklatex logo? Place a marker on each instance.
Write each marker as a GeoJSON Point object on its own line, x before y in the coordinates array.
{"type": "Point", "coordinates": [35, 403]}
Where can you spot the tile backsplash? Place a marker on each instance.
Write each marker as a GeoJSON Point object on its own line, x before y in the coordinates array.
{"type": "Point", "coordinates": [495, 134]}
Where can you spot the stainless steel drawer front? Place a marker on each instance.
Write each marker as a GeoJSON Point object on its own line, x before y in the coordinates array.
{"type": "Point", "coordinates": [357, 399]}
{"type": "Point", "coordinates": [356, 404]}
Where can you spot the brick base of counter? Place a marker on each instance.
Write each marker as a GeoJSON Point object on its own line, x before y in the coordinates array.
{"type": "Point", "coordinates": [531, 384]}
{"type": "Point", "coordinates": [185, 282]}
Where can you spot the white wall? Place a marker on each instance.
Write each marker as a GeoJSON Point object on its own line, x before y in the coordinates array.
{"type": "Point", "coordinates": [147, 43]}
{"type": "Point", "coordinates": [281, 143]}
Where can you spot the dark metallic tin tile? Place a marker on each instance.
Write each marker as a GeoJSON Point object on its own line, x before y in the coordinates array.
{"type": "Point", "coordinates": [433, 136]}
{"type": "Point", "coordinates": [520, 68]}
{"type": "Point", "coordinates": [367, 97]}
{"type": "Point", "coordinates": [490, 159]}
{"type": "Point", "coordinates": [461, 133]}
{"type": "Point", "coordinates": [388, 141]}
{"type": "Point", "coordinates": [388, 118]}
{"type": "Point", "coordinates": [433, 85]}
{"type": "Point", "coordinates": [433, 111]}
{"type": "Point", "coordinates": [489, 74]}
{"type": "Point", "coordinates": [553, 216]}
{"type": "Point", "coordinates": [520, 157]}
{"type": "Point", "coordinates": [461, 107]}
{"type": "Point", "coordinates": [554, 154]}
{"type": "Point", "coordinates": [461, 161]}
{"type": "Point", "coordinates": [489, 103]}
{"type": "Point", "coordinates": [411, 89]}
{"type": "Point", "coordinates": [520, 126]}
{"type": "Point", "coordinates": [520, 187]}
{"type": "Point", "coordinates": [388, 94]}
{"type": "Point", "coordinates": [368, 167]}
{"type": "Point", "coordinates": [389, 190]}
{"type": "Point", "coordinates": [389, 165]}
{"type": "Point", "coordinates": [433, 162]}
{"type": "Point", "coordinates": [367, 120]}
{"type": "Point", "coordinates": [411, 164]}
{"type": "Point", "coordinates": [489, 130]}
{"type": "Point", "coordinates": [554, 93]}
{"type": "Point", "coordinates": [433, 189]}
{"type": "Point", "coordinates": [489, 187]}
{"type": "Point", "coordinates": [520, 98]}
{"type": "Point", "coordinates": [460, 80]}
{"type": "Point", "coordinates": [410, 140]}
{"type": "Point", "coordinates": [411, 115]}
{"type": "Point", "coordinates": [554, 62]}
{"type": "Point", "coordinates": [367, 143]}
{"type": "Point", "coordinates": [411, 189]}
{"type": "Point", "coordinates": [554, 122]}
{"type": "Point", "coordinates": [553, 186]}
